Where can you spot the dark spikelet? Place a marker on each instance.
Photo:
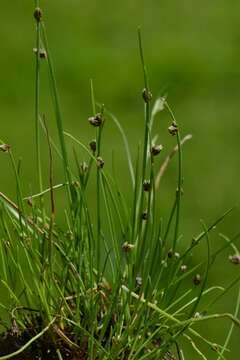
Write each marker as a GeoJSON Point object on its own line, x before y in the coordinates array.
{"type": "Point", "coordinates": [173, 129]}
{"type": "Point", "coordinates": [235, 259]}
{"type": "Point", "coordinates": [146, 185]}
{"type": "Point", "coordinates": [93, 145]}
{"type": "Point", "coordinates": [147, 95]}
{"type": "Point", "coordinates": [100, 162]}
{"type": "Point", "coordinates": [156, 149]}
{"type": "Point", "coordinates": [197, 279]}
{"type": "Point", "coordinates": [96, 120]}
{"type": "Point", "coordinates": [38, 14]}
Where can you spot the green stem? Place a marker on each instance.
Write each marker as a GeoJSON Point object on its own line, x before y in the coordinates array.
{"type": "Point", "coordinates": [179, 186]}
{"type": "Point", "coordinates": [146, 142]}
{"type": "Point", "coordinates": [37, 105]}
{"type": "Point", "coordinates": [58, 114]}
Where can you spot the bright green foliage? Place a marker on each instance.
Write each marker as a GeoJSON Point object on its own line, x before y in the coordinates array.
{"type": "Point", "coordinates": [111, 273]}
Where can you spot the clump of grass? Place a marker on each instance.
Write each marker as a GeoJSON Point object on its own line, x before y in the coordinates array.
{"type": "Point", "coordinates": [110, 283]}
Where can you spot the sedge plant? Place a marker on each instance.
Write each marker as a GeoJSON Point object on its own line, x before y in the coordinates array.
{"type": "Point", "coordinates": [109, 282]}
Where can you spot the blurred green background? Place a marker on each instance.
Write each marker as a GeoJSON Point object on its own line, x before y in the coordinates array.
{"type": "Point", "coordinates": [193, 53]}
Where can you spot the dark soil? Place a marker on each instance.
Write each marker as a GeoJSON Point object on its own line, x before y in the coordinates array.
{"type": "Point", "coordinates": [45, 347]}
{"type": "Point", "coordinates": [42, 349]}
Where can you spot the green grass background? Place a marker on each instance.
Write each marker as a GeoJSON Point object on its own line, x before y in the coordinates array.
{"type": "Point", "coordinates": [193, 53]}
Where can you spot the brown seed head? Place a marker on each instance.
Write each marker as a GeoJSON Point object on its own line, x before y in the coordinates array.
{"type": "Point", "coordinates": [147, 95]}
{"type": "Point", "coordinates": [38, 14]}
{"type": "Point", "coordinates": [156, 149]}
{"type": "Point", "coordinates": [194, 241]}
{"type": "Point", "coordinates": [173, 129]}
{"type": "Point", "coordinates": [42, 54]}
{"type": "Point", "coordinates": [170, 253]}
{"type": "Point", "coordinates": [100, 162]}
{"type": "Point", "coordinates": [235, 259]}
{"type": "Point", "coordinates": [93, 145]}
{"type": "Point", "coordinates": [127, 247]}
{"type": "Point", "coordinates": [146, 185]}
{"type": "Point", "coordinates": [96, 120]}
{"type": "Point", "coordinates": [215, 347]}
{"type": "Point", "coordinates": [197, 279]}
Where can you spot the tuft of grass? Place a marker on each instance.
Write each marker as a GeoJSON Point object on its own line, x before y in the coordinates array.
{"type": "Point", "coordinates": [115, 279]}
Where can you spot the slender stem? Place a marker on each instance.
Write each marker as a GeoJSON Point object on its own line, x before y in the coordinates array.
{"type": "Point", "coordinates": [58, 114]}
{"type": "Point", "coordinates": [169, 222]}
{"type": "Point", "coordinates": [52, 218]}
{"type": "Point", "coordinates": [37, 103]}
{"type": "Point", "coordinates": [144, 68]}
{"type": "Point", "coordinates": [147, 105]}
{"type": "Point", "coordinates": [98, 182]}
{"type": "Point", "coordinates": [179, 186]}
{"type": "Point", "coordinates": [98, 185]}
{"type": "Point", "coordinates": [146, 141]}
{"type": "Point", "coordinates": [92, 97]}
